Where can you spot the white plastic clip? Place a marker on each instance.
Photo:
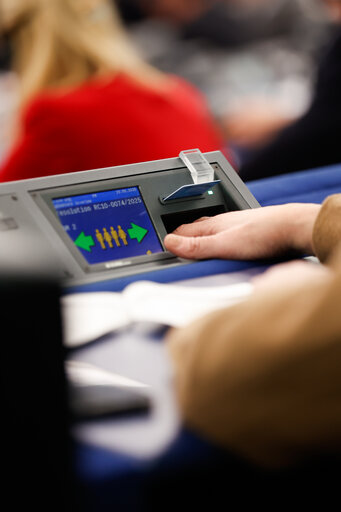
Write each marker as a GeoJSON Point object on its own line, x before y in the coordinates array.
{"type": "Point", "coordinates": [200, 169]}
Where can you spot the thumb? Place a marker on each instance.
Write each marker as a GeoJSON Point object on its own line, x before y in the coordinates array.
{"type": "Point", "coordinates": [199, 247]}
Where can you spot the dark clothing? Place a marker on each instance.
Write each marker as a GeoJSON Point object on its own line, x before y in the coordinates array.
{"type": "Point", "coordinates": [312, 141]}
{"type": "Point", "coordinates": [130, 10]}
{"type": "Point", "coordinates": [5, 54]}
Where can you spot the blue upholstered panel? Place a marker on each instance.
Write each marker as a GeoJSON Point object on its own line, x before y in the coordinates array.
{"type": "Point", "coordinates": [306, 186]}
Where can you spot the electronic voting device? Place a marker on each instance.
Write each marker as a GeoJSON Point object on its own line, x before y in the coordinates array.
{"type": "Point", "coordinates": [107, 223]}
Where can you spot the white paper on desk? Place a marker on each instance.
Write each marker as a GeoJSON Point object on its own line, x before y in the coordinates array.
{"type": "Point", "coordinates": [177, 305]}
{"type": "Point", "coordinates": [87, 316]}
{"type": "Point", "coordinates": [86, 374]}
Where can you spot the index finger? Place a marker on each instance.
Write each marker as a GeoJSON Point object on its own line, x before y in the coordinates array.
{"type": "Point", "coordinates": [200, 227]}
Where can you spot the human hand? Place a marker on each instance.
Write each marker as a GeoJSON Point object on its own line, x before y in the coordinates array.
{"type": "Point", "coordinates": [334, 9]}
{"type": "Point", "coordinates": [247, 234]}
{"type": "Point", "coordinates": [255, 123]}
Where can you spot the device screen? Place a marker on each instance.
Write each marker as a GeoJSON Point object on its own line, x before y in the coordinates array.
{"type": "Point", "coordinates": [108, 225]}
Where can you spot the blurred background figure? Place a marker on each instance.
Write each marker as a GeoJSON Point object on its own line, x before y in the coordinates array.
{"type": "Point", "coordinates": [85, 98]}
{"type": "Point", "coordinates": [255, 60]}
{"type": "Point", "coordinates": [312, 140]}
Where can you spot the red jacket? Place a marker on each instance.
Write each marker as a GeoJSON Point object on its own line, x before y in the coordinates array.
{"type": "Point", "coordinates": [107, 123]}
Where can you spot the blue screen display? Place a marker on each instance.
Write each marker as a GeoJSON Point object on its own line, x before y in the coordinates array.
{"type": "Point", "coordinates": [108, 225]}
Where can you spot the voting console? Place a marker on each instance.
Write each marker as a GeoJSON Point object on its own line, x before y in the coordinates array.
{"type": "Point", "coordinates": [101, 224]}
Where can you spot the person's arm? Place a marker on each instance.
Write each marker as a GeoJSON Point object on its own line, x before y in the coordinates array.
{"type": "Point", "coordinates": [262, 377]}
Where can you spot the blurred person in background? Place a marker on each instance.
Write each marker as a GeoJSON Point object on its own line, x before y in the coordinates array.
{"type": "Point", "coordinates": [313, 139]}
{"type": "Point", "coordinates": [271, 139]}
{"type": "Point", "coordinates": [255, 60]}
{"type": "Point", "coordinates": [86, 99]}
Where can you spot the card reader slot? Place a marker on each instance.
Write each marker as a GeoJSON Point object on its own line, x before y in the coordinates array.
{"type": "Point", "coordinates": [171, 221]}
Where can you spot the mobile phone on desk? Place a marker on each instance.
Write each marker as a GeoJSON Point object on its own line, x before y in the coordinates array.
{"type": "Point", "coordinates": [97, 401]}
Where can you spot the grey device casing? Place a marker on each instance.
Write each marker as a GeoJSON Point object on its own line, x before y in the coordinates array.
{"type": "Point", "coordinates": [32, 236]}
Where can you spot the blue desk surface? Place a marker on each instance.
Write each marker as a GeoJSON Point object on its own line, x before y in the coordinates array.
{"type": "Point", "coordinates": [114, 480]}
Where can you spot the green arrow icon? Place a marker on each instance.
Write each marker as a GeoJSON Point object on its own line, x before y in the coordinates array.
{"type": "Point", "coordinates": [84, 242]}
{"type": "Point", "coordinates": [137, 232]}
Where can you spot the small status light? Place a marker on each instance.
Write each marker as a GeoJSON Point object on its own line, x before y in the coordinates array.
{"type": "Point", "coordinates": [210, 192]}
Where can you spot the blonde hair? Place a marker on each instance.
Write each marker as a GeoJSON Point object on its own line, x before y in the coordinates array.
{"type": "Point", "coordinates": [63, 43]}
